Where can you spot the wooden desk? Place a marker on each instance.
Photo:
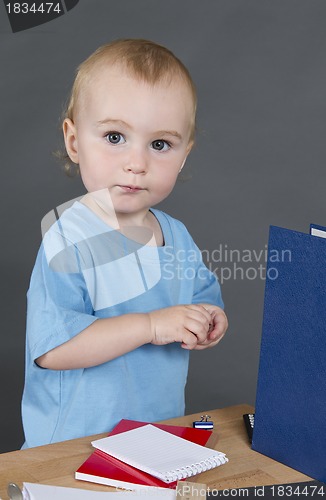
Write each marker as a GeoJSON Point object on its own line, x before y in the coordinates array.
{"type": "Point", "coordinates": [55, 464]}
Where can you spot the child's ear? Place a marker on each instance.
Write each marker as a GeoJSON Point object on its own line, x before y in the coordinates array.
{"type": "Point", "coordinates": [189, 147]}
{"type": "Point", "coordinates": [70, 137]}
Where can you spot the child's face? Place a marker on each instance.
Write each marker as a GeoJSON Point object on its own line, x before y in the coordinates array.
{"type": "Point", "coordinates": [131, 138]}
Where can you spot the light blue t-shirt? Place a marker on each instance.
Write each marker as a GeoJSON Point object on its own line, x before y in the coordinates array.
{"type": "Point", "coordinates": [84, 271]}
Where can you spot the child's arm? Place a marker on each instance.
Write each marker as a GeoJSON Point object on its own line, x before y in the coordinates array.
{"type": "Point", "coordinates": [109, 338]}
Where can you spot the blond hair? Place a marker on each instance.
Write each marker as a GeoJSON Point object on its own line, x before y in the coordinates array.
{"type": "Point", "coordinates": [145, 60]}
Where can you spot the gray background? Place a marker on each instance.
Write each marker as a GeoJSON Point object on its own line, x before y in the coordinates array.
{"type": "Point", "coordinates": [259, 66]}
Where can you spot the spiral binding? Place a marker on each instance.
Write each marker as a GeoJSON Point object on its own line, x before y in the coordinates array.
{"type": "Point", "coordinates": [196, 468]}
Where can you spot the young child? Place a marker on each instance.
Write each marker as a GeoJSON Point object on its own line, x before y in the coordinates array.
{"type": "Point", "coordinates": [119, 294]}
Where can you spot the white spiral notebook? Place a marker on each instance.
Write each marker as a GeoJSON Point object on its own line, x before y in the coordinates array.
{"type": "Point", "coordinates": [159, 453]}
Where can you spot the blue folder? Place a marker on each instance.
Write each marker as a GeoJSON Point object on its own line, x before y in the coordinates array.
{"type": "Point", "coordinates": [290, 413]}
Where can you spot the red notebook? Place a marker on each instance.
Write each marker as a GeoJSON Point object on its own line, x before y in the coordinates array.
{"type": "Point", "coordinates": [104, 469]}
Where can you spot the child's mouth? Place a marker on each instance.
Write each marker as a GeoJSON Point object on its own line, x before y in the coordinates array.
{"type": "Point", "coordinates": [131, 189]}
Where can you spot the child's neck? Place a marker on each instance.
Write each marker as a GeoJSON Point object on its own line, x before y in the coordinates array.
{"type": "Point", "coordinates": [126, 223]}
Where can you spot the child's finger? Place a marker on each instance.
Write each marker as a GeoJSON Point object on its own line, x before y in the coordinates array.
{"type": "Point", "coordinates": [200, 309]}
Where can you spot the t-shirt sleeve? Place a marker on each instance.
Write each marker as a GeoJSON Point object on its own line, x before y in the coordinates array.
{"type": "Point", "coordinates": [205, 285]}
{"type": "Point", "coordinates": [58, 305]}
{"type": "Point", "coordinates": [206, 288]}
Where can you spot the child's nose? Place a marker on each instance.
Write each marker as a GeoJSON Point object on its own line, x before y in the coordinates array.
{"type": "Point", "coordinates": [136, 162]}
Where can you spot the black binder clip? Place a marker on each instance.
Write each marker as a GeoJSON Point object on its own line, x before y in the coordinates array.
{"type": "Point", "coordinates": [203, 423]}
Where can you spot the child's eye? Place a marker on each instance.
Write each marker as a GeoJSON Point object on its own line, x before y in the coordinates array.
{"type": "Point", "coordinates": [160, 145]}
{"type": "Point", "coordinates": [115, 138]}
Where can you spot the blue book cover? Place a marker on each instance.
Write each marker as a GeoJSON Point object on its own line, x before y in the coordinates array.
{"type": "Point", "coordinates": [290, 414]}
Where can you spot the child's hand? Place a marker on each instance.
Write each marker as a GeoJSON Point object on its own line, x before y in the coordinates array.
{"type": "Point", "coordinates": [217, 328]}
{"type": "Point", "coordinates": [188, 324]}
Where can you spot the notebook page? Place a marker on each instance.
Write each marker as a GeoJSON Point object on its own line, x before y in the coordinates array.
{"type": "Point", "coordinates": [318, 232]}
{"type": "Point", "coordinates": [160, 453]}
{"type": "Point", "coordinates": [34, 491]}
